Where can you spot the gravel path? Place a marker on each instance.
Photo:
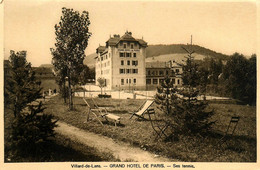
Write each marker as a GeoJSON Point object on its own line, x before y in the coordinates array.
{"type": "Point", "coordinates": [120, 150]}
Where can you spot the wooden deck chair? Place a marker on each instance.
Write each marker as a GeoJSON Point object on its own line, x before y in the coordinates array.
{"type": "Point", "coordinates": [142, 109]}
{"type": "Point", "coordinates": [230, 129]}
{"type": "Point", "coordinates": [94, 109]}
{"type": "Point", "coordinates": [105, 114]}
{"type": "Point", "coordinates": [91, 109]}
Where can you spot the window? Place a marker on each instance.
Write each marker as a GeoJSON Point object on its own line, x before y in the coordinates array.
{"type": "Point", "coordinates": [160, 72]}
{"type": "Point", "coordinates": [121, 71]}
{"type": "Point", "coordinates": [167, 72]}
{"type": "Point", "coordinates": [127, 54]}
{"type": "Point", "coordinates": [149, 72]}
{"type": "Point", "coordinates": [177, 70]}
{"type": "Point", "coordinates": [122, 62]}
{"type": "Point", "coordinates": [148, 81]}
{"type": "Point", "coordinates": [130, 54]}
{"type": "Point", "coordinates": [155, 81]}
{"type": "Point", "coordinates": [128, 62]}
{"type": "Point", "coordinates": [122, 81]}
{"type": "Point", "coordinates": [128, 71]}
{"type": "Point", "coordinates": [178, 81]}
{"type": "Point", "coordinates": [122, 54]}
{"type": "Point", "coordinates": [173, 81]}
{"type": "Point", "coordinates": [134, 54]}
{"type": "Point", "coordinates": [134, 63]}
{"type": "Point", "coordinates": [132, 46]}
{"type": "Point", "coordinates": [124, 45]}
{"type": "Point", "coordinates": [126, 81]}
{"type": "Point", "coordinates": [129, 81]}
{"type": "Point", "coordinates": [135, 71]}
{"type": "Point", "coordinates": [101, 58]}
{"type": "Point", "coordinates": [134, 81]}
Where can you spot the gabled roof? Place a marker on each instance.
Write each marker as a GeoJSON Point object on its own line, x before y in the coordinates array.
{"type": "Point", "coordinates": [126, 37]}
{"type": "Point", "coordinates": [142, 42]}
{"type": "Point", "coordinates": [113, 40]}
{"type": "Point", "coordinates": [100, 49]}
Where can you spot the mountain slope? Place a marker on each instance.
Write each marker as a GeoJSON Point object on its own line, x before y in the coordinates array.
{"type": "Point", "coordinates": [157, 50]}
{"type": "Point", "coordinates": [90, 60]}
{"type": "Point", "coordinates": [168, 52]}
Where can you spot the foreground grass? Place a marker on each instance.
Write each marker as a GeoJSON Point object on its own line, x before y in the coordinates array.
{"type": "Point", "coordinates": [59, 149]}
{"type": "Point", "coordinates": [240, 148]}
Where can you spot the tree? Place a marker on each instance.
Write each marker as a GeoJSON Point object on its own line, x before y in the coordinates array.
{"type": "Point", "coordinates": [183, 112]}
{"type": "Point", "coordinates": [240, 76]}
{"type": "Point", "coordinates": [190, 74]}
{"type": "Point", "coordinates": [30, 130]}
{"type": "Point", "coordinates": [72, 34]}
{"type": "Point", "coordinates": [21, 87]}
{"type": "Point", "coordinates": [251, 85]}
{"type": "Point", "coordinates": [86, 74]}
{"type": "Point", "coordinates": [101, 83]}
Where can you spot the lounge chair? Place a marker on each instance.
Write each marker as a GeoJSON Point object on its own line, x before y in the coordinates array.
{"type": "Point", "coordinates": [142, 109]}
{"type": "Point", "coordinates": [94, 109]}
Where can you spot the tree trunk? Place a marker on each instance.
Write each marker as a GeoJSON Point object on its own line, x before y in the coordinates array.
{"type": "Point", "coordinates": [70, 93]}
{"type": "Point", "coordinates": [64, 91]}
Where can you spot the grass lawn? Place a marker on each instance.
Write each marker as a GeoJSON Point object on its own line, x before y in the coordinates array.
{"type": "Point", "coordinates": [240, 148]}
{"type": "Point", "coordinates": [60, 149]}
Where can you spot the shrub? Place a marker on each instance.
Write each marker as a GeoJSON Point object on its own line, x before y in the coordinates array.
{"type": "Point", "coordinates": [31, 131]}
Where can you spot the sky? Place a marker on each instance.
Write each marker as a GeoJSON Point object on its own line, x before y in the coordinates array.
{"type": "Point", "coordinates": [225, 27]}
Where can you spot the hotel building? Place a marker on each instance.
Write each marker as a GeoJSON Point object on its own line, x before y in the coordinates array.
{"type": "Point", "coordinates": [122, 62]}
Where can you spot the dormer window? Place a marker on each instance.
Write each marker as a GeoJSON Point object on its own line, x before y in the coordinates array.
{"type": "Point", "coordinates": [124, 45]}
{"type": "Point", "coordinates": [132, 46]}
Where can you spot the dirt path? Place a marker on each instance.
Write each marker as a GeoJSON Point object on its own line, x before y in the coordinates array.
{"type": "Point", "coordinates": [120, 150]}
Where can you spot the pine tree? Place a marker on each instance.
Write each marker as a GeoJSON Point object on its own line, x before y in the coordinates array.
{"type": "Point", "coordinates": [192, 114]}
{"type": "Point", "coordinates": [30, 128]}
{"type": "Point", "coordinates": [21, 87]}
{"type": "Point", "coordinates": [183, 112]}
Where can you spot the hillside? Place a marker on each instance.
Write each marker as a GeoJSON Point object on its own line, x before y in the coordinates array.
{"type": "Point", "coordinates": [179, 57]}
{"type": "Point", "coordinates": [157, 50]}
{"type": "Point", "coordinates": [90, 60]}
{"type": "Point", "coordinates": [168, 52]}
{"type": "Point", "coordinates": [46, 65]}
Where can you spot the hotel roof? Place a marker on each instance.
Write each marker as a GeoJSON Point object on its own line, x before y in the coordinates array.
{"type": "Point", "coordinates": [126, 37]}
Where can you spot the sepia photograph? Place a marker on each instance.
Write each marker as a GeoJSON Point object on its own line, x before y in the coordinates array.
{"type": "Point", "coordinates": [121, 84]}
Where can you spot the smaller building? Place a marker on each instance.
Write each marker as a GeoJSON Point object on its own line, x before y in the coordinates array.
{"type": "Point", "coordinates": [157, 71]}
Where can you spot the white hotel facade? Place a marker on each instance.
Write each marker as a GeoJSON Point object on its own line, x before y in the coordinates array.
{"type": "Point", "coordinates": [122, 62]}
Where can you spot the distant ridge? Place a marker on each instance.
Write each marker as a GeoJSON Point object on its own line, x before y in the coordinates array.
{"type": "Point", "coordinates": [162, 52]}
{"type": "Point", "coordinates": [90, 60]}
{"type": "Point", "coordinates": [46, 65]}
{"type": "Point", "coordinates": [157, 50]}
